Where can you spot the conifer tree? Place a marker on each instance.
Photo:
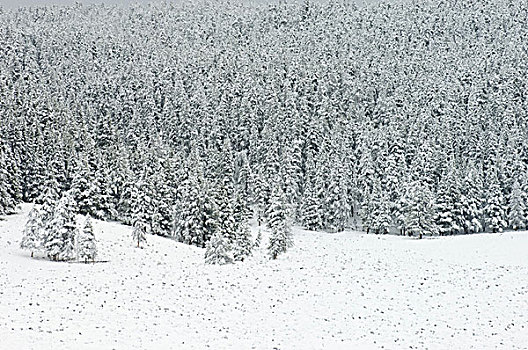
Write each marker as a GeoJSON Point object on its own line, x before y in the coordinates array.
{"type": "Point", "coordinates": [7, 201]}
{"type": "Point", "coordinates": [419, 216]}
{"type": "Point", "coordinates": [516, 208]}
{"type": "Point", "coordinates": [311, 211]}
{"type": "Point", "coordinates": [258, 239]}
{"type": "Point", "coordinates": [62, 230]}
{"type": "Point", "coordinates": [218, 251]}
{"type": "Point", "coordinates": [32, 236]}
{"type": "Point", "coordinates": [87, 249]}
{"type": "Point", "coordinates": [139, 233]}
{"type": "Point", "coordinates": [447, 207]}
{"type": "Point", "coordinates": [280, 235]}
{"type": "Point", "coordinates": [495, 214]}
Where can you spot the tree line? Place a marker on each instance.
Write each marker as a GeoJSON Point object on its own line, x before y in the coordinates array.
{"type": "Point", "coordinates": [190, 120]}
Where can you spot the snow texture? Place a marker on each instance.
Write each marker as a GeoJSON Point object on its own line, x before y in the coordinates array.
{"type": "Point", "coordinates": [330, 291]}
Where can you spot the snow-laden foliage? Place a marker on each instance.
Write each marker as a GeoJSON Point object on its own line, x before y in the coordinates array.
{"type": "Point", "coordinates": [61, 231]}
{"type": "Point", "coordinates": [166, 111]}
{"type": "Point", "coordinates": [86, 243]}
{"type": "Point", "coordinates": [278, 223]}
{"type": "Point", "coordinates": [218, 251]}
{"type": "Point", "coordinates": [32, 235]}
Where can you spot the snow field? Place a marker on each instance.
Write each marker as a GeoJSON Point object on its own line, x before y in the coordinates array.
{"type": "Point", "coordinates": [331, 291]}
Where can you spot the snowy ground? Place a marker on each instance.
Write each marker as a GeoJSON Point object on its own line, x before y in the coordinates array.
{"type": "Point", "coordinates": [331, 291]}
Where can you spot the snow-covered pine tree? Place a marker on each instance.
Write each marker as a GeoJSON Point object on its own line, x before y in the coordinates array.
{"type": "Point", "coordinates": [32, 236]}
{"type": "Point", "coordinates": [311, 211]}
{"type": "Point", "coordinates": [139, 233]}
{"type": "Point", "coordinates": [218, 251]}
{"type": "Point", "coordinates": [10, 189]}
{"type": "Point", "coordinates": [516, 207]}
{"type": "Point", "coordinates": [7, 202]}
{"type": "Point", "coordinates": [420, 210]}
{"type": "Point", "coordinates": [524, 195]}
{"type": "Point", "coordinates": [380, 210]}
{"type": "Point", "coordinates": [334, 213]}
{"type": "Point", "coordinates": [196, 217]}
{"type": "Point", "coordinates": [447, 207]}
{"type": "Point", "coordinates": [243, 245]}
{"type": "Point", "coordinates": [87, 248]}
{"type": "Point", "coordinates": [61, 232]}
{"type": "Point", "coordinates": [495, 213]}
{"type": "Point", "coordinates": [258, 239]}
{"type": "Point", "coordinates": [471, 201]}
{"type": "Point", "coordinates": [278, 223]}
{"type": "Point", "coordinates": [366, 211]}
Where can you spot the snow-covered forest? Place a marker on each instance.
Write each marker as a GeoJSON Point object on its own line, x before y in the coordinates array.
{"type": "Point", "coordinates": [189, 120]}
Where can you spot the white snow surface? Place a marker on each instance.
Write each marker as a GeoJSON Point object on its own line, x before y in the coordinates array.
{"type": "Point", "coordinates": [330, 291]}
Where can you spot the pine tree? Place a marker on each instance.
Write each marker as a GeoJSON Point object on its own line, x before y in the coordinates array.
{"type": "Point", "coordinates": [218, 251]}
{"type": "Point", "coordinates": [139, 233]}
{"type": "Point", "coordinates": [7, 201]}
{"type": "Point", "coordinates": [32, 236]}
{"type": "Point", "coordinates": [87, 248]}
{"type": "Point", "coordinates": [334, 213]}
{"type": "Point", "coordinates": [516, 207]}
{"type": "Point", "coordinates": [447, 205]}
{"type": "Point", "coordinates": [495, 214]}
{"type": "Point", "coordinates": [243, 245]}
{"type": "Point", "coordinates": [311, 211]}
{"type": "Point", "coordinates": [524, 195]}
{"type": "Point", "coordinates": [280, 237]}
{"type": "Point", "coordinates": [380, 211]}
{"type": "Point", "coordinates": [419, 216]}
{"type": "Point", "coordinates": [258, 239]}
{"type": "Point", "coordinates": [62, 230]}
{"type": "Point", "coordinates": [471, 201]}
{"type": "Point", "coordinates": [196, 216]}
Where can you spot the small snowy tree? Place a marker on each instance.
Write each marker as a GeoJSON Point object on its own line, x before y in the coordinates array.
{"type": "Point", "coordinates": [280, 237]}
{"type": "Point", "coordinates": [243, 245]}
{"type": "Point", "coordinates": [494, 210]}
{"type": "Point", "coordinates": [139, 233]}
{"type": "Point", "coordinates": [62, 230]}
{"type": "Point", "coordinates": [311, 211]}
{"type": "Point", "coordinates": [217, 250]}
{"type": "Point", "coordinates": [380, 215]}
{"type": "Point", "coordinates": [87, 245]}
{"type": "Point", "coordinates": [258, 239]}
{"type": "Point", "coordinates": [32, 238]}
{"type": "Point", "coordinates": [516, 207]}
{"type": "Point", "coordinates": [420, 210]}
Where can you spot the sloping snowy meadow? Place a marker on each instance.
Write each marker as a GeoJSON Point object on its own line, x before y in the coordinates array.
{"type": "Point", "coordinates": [330, 291]}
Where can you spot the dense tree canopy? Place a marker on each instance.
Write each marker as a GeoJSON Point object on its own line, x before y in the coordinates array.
{"type": "Point", "coordinates": [412, 114]}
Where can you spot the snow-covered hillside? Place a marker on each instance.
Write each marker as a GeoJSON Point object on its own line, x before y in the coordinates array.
{"type": "Point", "coordinates": [331, 291]}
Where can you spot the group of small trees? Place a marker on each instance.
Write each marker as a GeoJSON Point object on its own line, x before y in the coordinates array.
{"type": "Point", "coordinates": [52, 229]}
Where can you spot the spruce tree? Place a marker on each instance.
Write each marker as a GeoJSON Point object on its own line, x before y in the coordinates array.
{"type": "Point", "coordinates": [87, 249]}
{"type": "Point", "coordinates": [419, 215]}
{"type": "Point", "coordinates": [380, 210]}
{"type": "Point", "coordinates": [278, 223]}
{"type": "Point", "coordinates": [447, 205]}
{"type": "Point", "coordinates": [311, 211]}
{"type": "Point", "coordinates": [32, 236]}
{"type": "Point", "coordinates": [495, 213]}
{"type": "Point", "coordinates": [62, 230]}
{"type": "Point", "coordinates": [471, 201]}
{"type": "Point", "coordinates": [139, 233]}
{"type": "Point", "coordinates": [516, 208]}
{"type": "Point", "coordinates": [243, 244]}
{"type": "Point", "coordinates": [217, 250]}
